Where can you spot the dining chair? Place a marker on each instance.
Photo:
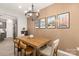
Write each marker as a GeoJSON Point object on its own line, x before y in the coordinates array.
{"type": "Point", "coordinates": [25, 49]}
{"type": "Point", "coordinates": [50, 50]}
{"type": "Point", "coordinates": [16, 46]}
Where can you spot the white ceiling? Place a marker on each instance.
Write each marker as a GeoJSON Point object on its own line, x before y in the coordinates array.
{"type": "Point", "coordinates": [14, 6]}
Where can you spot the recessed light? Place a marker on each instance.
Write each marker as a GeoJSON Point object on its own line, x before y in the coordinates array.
{"type": "Point", "coordinates": [20, 7]}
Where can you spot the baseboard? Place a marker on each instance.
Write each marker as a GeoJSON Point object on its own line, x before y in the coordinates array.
{"type": "Point", "coordinates": [63, 53]}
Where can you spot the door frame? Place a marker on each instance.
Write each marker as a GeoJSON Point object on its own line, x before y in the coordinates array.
{"type": "Point", "coordinates": [15, 28]}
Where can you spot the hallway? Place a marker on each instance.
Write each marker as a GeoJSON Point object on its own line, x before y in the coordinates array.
{"type": "Point", "coordinates": [6, 47]}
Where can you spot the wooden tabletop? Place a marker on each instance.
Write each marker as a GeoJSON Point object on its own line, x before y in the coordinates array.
{"type": "Point", "coordinates": [34, 42]}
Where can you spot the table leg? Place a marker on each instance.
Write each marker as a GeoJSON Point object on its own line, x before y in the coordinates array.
{"type": "Point", "coordinates": [34, 52]}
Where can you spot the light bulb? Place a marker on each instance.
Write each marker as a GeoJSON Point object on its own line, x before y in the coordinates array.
{"type": "Point", "coordinates": [36, 14]}
{"type": "Point", "coordinates": [25, 11]}
{"type": "Point", "coordinates": [30, 14]}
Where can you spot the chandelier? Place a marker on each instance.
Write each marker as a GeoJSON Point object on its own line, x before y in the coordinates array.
{"type": "Point", "coordinates": [32, 13]}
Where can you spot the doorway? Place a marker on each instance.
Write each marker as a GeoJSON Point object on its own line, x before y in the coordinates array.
{"type": "Point", "coordinates": [9, 26]}
{"type": "Point", "coordinates": [2, 29]}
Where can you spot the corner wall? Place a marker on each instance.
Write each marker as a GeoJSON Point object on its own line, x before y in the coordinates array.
{"type": "Point", "coordinates": [69, 37]}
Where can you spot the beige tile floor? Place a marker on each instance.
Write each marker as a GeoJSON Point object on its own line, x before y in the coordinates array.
{"type": "Point", "coordinates": [7, 47]}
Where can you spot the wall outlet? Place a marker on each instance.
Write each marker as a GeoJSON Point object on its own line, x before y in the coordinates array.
{"type": "Point", "coordinates": [77, 48]}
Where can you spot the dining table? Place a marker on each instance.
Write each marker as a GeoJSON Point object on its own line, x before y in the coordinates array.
{"type": "Point", "coordinates": [35, 42]}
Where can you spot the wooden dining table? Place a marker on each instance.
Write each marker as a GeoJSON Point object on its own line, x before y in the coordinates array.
{"type": "Point", "coordinates": [36, 42]}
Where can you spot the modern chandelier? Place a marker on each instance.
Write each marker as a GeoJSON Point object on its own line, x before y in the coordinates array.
{"type": "Point", "coordinates": [32, 13]}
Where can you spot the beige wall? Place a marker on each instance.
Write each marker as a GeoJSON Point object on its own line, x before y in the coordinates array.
{"type": "Point", "coordinates": [69, 37]}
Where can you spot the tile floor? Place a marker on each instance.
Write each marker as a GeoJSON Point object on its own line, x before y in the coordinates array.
{"type": "Point", "coordinates": [7, 47]}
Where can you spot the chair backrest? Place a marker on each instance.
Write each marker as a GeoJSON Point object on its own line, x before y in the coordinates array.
{"type": "Point", "coordinates": [22, 45]}
{"type": "Point", "coordinates": [16, 43]}
{"type": "Point", "coordinates": [55, 46]}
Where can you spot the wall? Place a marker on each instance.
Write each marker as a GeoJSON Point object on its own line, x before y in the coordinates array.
{"type": "Point", "coordinates": [9, 28]}
{"type": "Point", "coordinates": [22, 22]}
{"type": "Point", "coordinates": [69, 38]}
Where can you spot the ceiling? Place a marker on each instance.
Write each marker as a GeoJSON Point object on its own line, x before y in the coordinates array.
{"type": "Point", "coordinates": [14, 7]}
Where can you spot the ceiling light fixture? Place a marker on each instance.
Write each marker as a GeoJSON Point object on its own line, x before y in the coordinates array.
{"type": "Point", "coordinates": [32, 13]}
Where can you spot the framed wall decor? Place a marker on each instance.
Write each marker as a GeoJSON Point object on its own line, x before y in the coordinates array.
{"type": "Point", "coordinates": [63, 20]}
{"type": "Point", "coordinates": [42, 23]}
{"type": "Point", "coordinates": [37, 23]}
{"type": "Point", "coordinates": [51, 22]}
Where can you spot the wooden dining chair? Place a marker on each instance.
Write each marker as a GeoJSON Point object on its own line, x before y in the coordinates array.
{"type": "Point", "coordinates": [50, 50]}
{"type": "Point", "coordinates": [16, 46]}
{"type": "Point", "coordinates": [25, 49]}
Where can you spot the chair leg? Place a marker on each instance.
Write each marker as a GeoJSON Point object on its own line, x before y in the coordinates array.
{"type": "Point", "coordinates": [55, 53]}
{"type": "Point", "coordinates": [21, 52]}
{"type": "Point", "coordinates": [34, 53]}
{"type": "Point", "coordinates": [17, 52]}
{"type": "Point", "coordinates": [24, 54]}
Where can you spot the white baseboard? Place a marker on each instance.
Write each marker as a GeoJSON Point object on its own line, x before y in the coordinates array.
{"type": "Point", "coordinates": [63, 53]}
